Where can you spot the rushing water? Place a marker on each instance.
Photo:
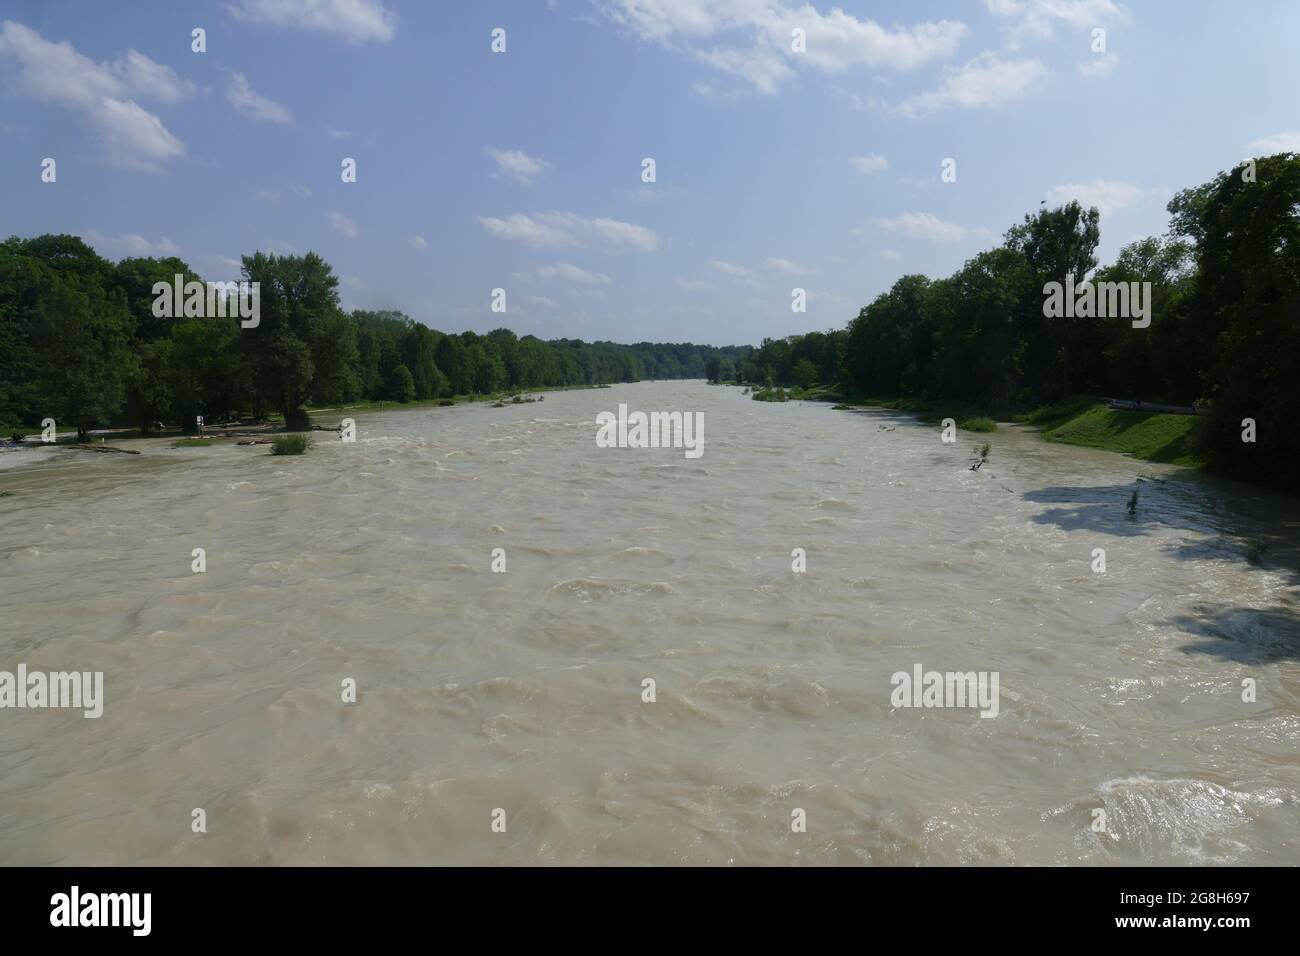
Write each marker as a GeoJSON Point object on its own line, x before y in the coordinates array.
{"type": "Point", "coordinates": [522, 691]}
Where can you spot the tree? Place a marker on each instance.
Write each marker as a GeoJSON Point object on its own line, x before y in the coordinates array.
{"type": "Point", "coordinates": [805, 373]}
{"type": "Point", "coordinates": [202, 371]}
{"type": "Point", "coordinates": [284, 373]}
{"type": "Point", "coordinates": [71, 330]}
{"type": "Point", "coordinates": [298, 304]}
{"type": "Point", "coordinates": [450, 357]}
{"type": "Point", "coordinates": [336, 359]}
{"type": "Point", "coordinates": [889, 338]}
{"type": "Point", "coordinates": [1057, 243]}
{"type": "Point", "coordinates": [1246, 302]}
{"type": "Point", "coordinates": [401, 385]}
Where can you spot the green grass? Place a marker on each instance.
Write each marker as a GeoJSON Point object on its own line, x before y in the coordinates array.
{"type": "Point", "coordinates": [1151, 436]}
{"type": "Point", "coordinates": [192, 443]}
{"type": "Point", "coordinates": [1050, 416]}
{"type": "Point", "coordinates": [295, 444]}
{"type": "Point", "coordinates": [1082, 420]}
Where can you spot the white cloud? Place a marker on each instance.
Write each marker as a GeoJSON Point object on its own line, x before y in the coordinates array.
{"type": "Point", "coordinates": [1281, 143]}
{"type": "Point", "coordinates": [352, 282]}
{"type": "Point", "coordinates": [565, 272]}
{"type": "Point", "coordinates": [870, 163]}
{"type": "Point", "coordinates": [543, 301]}
{"type": "Point", "coordinates": [343, 224]}
{"type": "Point", "coordinates": [1036, 19]}
{"type": "Point", "coordinates": [130, 245]}
{"type": "Point", "coordinates": [103, 94]}
{"type": "Point", "coordinates": [889, 255]}
{"type": "Point", "coordinates": [1101, 65]}
{"type": "Point", "coordinates": [558, 229]}
{"type": "Point", "coordinates": [764, 69]}
{"type": "Point", "coordinates": [693, 285]}
{"type": "Point", "coordinates": [1107, 196]}
{"type": "Point", "coordinates": [266, 195]}
{"type": "Point", "coordinates": [785, 267]}
{"type": "Point", "coordinates": [150, 80]}
{"type": "Point", "coordinates": [731, 269]}
{"type": "Point", "coordinates": [355, 20]}
{"type": "Point", "coordinates": [248, 102]}
{"type": "Point", "coordinates": [300, 191]}
{"type": "Point", "coordinates": [134, 137]}
{"type": "Point", "coordinates": [517, 165]}
{"type": "Point", "coordinates": [418, 242]}
{"type": "Point", "coordinates": [525, 229]}
{"type": "Point", "coordinates": [751, 39]}
{"type": "Point", "coordinates": [338, 133]}
{"type": "Point", "coordinates": [987, 81]}
{"type": "Point", "coordinates": [625, 234]}
{"type": "Point", "coordinates": [924, 226]}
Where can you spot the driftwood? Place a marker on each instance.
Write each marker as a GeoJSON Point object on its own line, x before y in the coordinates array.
{"type": "Point", "coordinates": [257, 441]}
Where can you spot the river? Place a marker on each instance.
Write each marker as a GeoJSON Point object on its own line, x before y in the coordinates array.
{"type": "Point", "coordinates": [523, 692]}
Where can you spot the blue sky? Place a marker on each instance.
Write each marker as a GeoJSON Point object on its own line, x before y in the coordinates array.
{"type": "Point", "coordinates": [776, 169]}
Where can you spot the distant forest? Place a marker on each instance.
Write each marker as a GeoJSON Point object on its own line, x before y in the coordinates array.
{"type": "Point", "coordinates": [79, 341]}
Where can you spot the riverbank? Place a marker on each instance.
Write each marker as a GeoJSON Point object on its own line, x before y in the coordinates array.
{"type": "Point", "coordinates": [275, 421]}
{"type": "Point", "coordinates": [1087, 422]}
{"type": "Point", "coordinates": [490, 398]}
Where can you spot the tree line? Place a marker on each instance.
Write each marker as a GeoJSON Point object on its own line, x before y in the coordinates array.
{"type": "Point", "coordinates": [80, 343]}
{"type": "Point", "coordinates": [1224, 332]}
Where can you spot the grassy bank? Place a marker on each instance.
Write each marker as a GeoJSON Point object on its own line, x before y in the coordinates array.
{"type": "Point", "coordinates": [1150, 436]}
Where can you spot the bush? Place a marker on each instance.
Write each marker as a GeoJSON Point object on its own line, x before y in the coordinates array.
{"type": "Point", "coordinates": [446, 401]}
{"type": "Point", "coordinates": [297, 420]}
{"type": "Point", "coordinates": [978, 425]}
{"type": "Point", "coordinates": [290, 444]}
